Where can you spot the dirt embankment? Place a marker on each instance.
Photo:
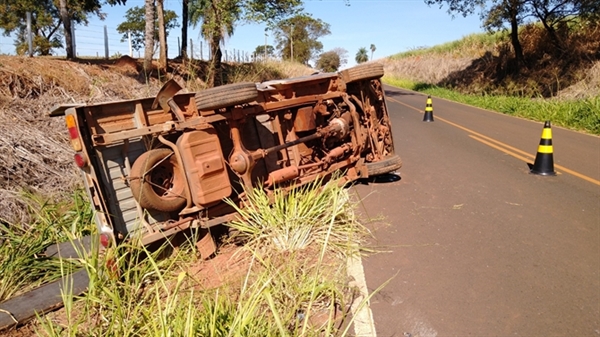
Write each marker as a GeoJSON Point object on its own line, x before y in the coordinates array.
{"type": "Point", "coordinates": [569, 70]}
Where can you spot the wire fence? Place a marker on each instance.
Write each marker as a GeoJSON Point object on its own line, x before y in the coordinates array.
{"type": "Point", "coordinates": [101, 41]}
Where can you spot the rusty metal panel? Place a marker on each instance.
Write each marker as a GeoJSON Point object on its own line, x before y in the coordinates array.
{"type": "Point", "coordinates": [305, 119]}
{"type": "Point", "coordinates": [132, 114]}
{"type": "Point", "coordinates": [204, 166]}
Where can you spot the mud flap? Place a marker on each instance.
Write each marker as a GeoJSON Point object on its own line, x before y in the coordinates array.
{"type": "Point", "coordinates": [206, 245]}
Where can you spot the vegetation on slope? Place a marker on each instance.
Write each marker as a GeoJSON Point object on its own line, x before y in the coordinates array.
{"type": "Point", "coordinates": [276, 285]}
{"type": "Point", "coordinates": [289, 279]}
{"type": "Point", "coordinates": [479, 69]}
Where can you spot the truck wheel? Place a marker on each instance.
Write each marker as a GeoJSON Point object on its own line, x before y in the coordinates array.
{"type": "Point", "coordinates": [388, 164]}
{"type": "Point", "coordinates": [368, 71]}
{"type": "Point", "coordinates": [226, 95]}
{"type": "Point", "coordinates": [156, 181]}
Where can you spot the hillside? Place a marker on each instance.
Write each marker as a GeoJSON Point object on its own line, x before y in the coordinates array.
{"type": "Point", "coordinates": [484, 64]}
{"type": "Point", "coordinates": [36, 157]}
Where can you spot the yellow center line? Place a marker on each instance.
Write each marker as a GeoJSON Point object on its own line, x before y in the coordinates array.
{"type": "Point", "coordinates": [525, 159]}
{"type": "Point", "coordinates": [507, 147]}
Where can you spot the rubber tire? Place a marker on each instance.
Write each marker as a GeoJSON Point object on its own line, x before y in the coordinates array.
{"type": "Point", "coordinates": [226, 95]}
{"type": "Point", "coordinates": [367, 71]}
{"type": "Point", "coordinates": [386, 165]}
{"type": "Point", "coordinates": [144, 192]}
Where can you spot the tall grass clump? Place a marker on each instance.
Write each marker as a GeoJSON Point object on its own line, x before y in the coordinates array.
{"type": "Point", "coordinates": [293, 284]}
{"type": "Point", "coordinates": [23, 262]}
{"type": "Point", "coordinates": [303, 217]}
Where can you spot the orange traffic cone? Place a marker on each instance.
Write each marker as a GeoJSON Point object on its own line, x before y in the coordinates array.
{"type": "Point", "coordinates": [428, 117]}
{"type": "Point", "coordinates": [544, 161]}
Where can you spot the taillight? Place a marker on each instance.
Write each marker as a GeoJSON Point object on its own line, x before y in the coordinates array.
{"type": "Point", "coordinates": [73, 133]}
{"type": "Point", "coordinates": [80, 160]}
{"type": "Point", "coordinates": [104, 240]}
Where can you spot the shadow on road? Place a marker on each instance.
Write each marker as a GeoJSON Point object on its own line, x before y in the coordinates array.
{"type": "Point", "coordinates": [389, 93]}
{"type": "Point", "coordinates": [380, 179]}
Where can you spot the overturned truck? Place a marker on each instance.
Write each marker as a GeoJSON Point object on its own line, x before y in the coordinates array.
{"type": "Point", "coordinates": [153, 167]}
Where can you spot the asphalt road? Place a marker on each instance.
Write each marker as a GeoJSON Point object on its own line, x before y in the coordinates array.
{"type": "Point", "coordinates": [475, 244]}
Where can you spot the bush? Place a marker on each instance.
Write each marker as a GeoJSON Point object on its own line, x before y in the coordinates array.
{"type": "Point", "coordinates": [329, 61]}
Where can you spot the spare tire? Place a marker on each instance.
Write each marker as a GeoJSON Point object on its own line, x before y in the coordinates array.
{"type": "Point", "coordinates": [367, 71]}
{"type": "Point", "coordinates": [386, 165]}
{"type": "Point", "coordinates": [226, 95]}
{"type": "Point", "coordinates": [156, 181]}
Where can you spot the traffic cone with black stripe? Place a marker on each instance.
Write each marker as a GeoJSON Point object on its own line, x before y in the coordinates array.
{"type": "Point", "coordinates": [428, 117]}
{"type": "Point", "coordinates": [544, 161]}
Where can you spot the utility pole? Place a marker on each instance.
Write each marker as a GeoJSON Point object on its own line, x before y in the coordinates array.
{"type": "Point", "coordinates": [192, 49]}
{"type": "Point", "coordinates": [292, 43]}
{"type": "Point", "coordinates": [105, 42]}
{"type": "Point", "coordinates": [130, 47]}
{"type": "Point", "coordinates": [266, 44]}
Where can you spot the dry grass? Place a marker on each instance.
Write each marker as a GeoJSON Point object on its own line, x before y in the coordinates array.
{"type": "Point", "coordinates": [34, 147]}
{"type": "Point", "coordinates": [587, 87]}
{"type": "Point", "coordinates": [486, 65]}
{"type": "Point", "coordinates": [431, 68]}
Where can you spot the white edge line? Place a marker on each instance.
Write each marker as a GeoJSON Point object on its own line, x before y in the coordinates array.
{"type": "Point", "coordinates": [364, 325]}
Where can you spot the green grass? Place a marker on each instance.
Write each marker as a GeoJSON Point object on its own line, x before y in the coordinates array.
{"type": "Point", "coordinates": [300, 218]}
{"type": "Point", "coordinates": [22, 260]}
{"type": "Point", "coordinates": [581, 115]}
{"type": "Point", "coordinates": [294, 284]}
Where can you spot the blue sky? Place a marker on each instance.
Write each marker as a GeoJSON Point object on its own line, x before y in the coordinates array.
{"type": "Point", "coordinates": [391, 25]}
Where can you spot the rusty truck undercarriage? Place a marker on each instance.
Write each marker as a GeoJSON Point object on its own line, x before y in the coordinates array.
{"type": "Point", "coordinates": [155, 166]}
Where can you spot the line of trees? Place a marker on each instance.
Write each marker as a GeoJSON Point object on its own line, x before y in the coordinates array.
{"type": "Point", "coordinates": [47, 17]}
{"type": "Point", "coordinates": [216, 18]}
{"type": "Point", "coordinates": [338, 57]}
{"type": "Point", "coordinates": [296, 33]}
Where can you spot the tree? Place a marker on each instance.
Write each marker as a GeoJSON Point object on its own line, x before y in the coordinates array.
{"type": "Point", "coordinates": [373, 49]}
{"type": "Point", "coordinates": [328, 61]}
{"type": "Point", "coordinates": [332, 60]}
{"type": "Point", "coordinates": [554, 13]}
{"type": "Point", "coordinates": [162, 35]}
{"type": "Point", "coordinates": [46, 18]}
{"type": "Point", "coordinates": [135, 23]}
{"type": "Point", "coordinates": [41, 44]}
{"type": "Point", "coordinates": [494, 16]}
{"type": "Point", "coordinates": [66, 21]}
{"type": "Point", "coordinates": [496, 13]}
{"type": "Point", "coordinates": [269, 11]}
{"type": "Point", "coordinates": [260, 51]}
{"type": "Point", "coordinates": [184, 27]}
{"type": "Point", "coordinates": [218, 17]}
{"type": "Point", "coordinates": [149, 31]}
{"type": "Point", "coordinates": [361, 55]}
{"type": "Point", "coordinates": [343, 54]}
{"type": "Point", "coordinates": [510, 11]}
{"type": "Point", "coordinates": [297, 37]}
